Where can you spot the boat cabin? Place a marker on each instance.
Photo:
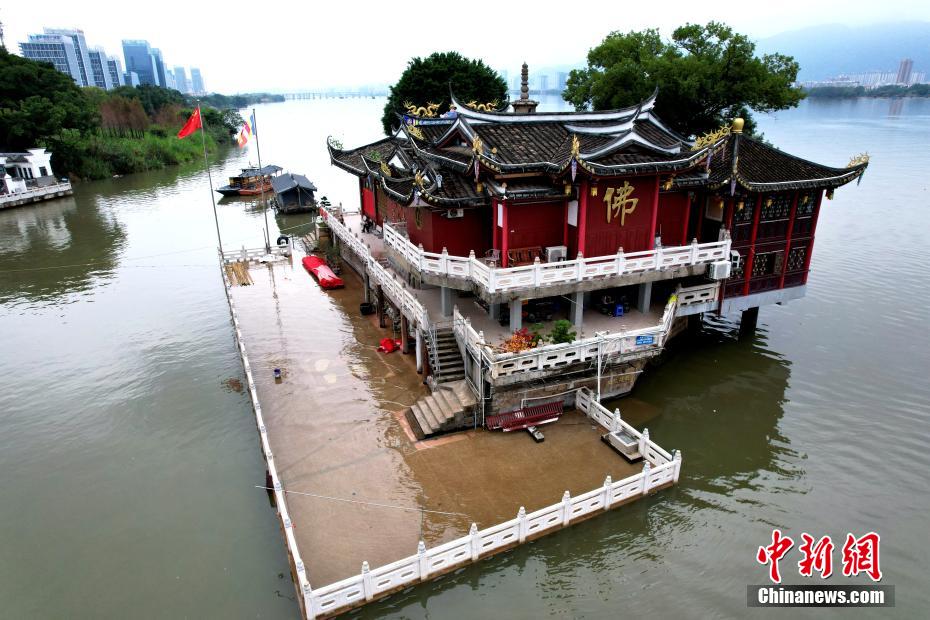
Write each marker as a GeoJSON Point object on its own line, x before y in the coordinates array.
{"type": "Point", "coordinates": [293, 193]}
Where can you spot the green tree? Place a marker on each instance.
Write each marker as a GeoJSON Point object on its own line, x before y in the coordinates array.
{"type": "Point", "coordinates": [39, 105]}
{"type": "Point", "coordinates": [706, 75]}
{"type": "Point", "coordinates": [427, 80]}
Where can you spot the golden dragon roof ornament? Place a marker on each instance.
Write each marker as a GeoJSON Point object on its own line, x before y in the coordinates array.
{"type": "Point", "coordinates": [490, 106]}
{"type": "Point", "coordinates": [710, 137]}
{"type": "Point", "coordinates": [430, 110]}
{"type": "Point", "coordinates": [477, 145]}
{"type": "Point", "coordinates": [385, 169]}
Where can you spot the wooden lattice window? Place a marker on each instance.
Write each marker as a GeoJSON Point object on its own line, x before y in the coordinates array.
{"type": "Point", "coordinates": [796, 258]}
{"type": "Point", "coordinates": [744, 215]}
{"type": "Point", "coordinates": [806, 204]}
{"type": "Point", "coordinates": [767, 263]}
{"type": "Point", "coordinates": [776, 207]}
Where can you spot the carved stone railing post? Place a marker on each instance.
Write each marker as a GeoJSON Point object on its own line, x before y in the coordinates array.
{"type": "Point", "coordinates": [566, 509]}
{"type": "Point", "coordinates": [537, 274]}
{"type": "Point", "coordinates": [475, 541]}
{"type": "Point", "coordinates": [422, 562]}
{"type": "Point", "coordinates": [579, 267]}
{"type": "Point", "coordinates": [521, 524]}
{"type": "Point", "coordinates": [366, 582]}
{"type": "Point", "coordinates": [644, 442]}
{"type": "Point", "coordinates": [608, 492]}
{"type": "Point", "coordinates": [646, 469]}
{"type": "Point", "coordinates": [677, 460]}
{"type": "Point", "coordinates": [615, 421]}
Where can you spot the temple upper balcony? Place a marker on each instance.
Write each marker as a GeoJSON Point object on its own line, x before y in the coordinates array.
{"type": "Point", "coordinates": [540, 278]}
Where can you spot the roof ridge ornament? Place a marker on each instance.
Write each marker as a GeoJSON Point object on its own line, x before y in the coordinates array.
{"type": "Point", "coordinates": [490, 106]}
{"type": "Point", "coordinates": [430, 110]}
{"type": "Point", "coordinates": [477, 145]}
{"type": "Point", "coordinates": [711, 137]}
{"type": "Point", "coordinates": [576, 146]}
{"type": "Point", "coordinates": [858, 160]}
{"type": "Point", "coordinates": [385, 170]}
{"type": "Point", "coordinates": [334, 142]}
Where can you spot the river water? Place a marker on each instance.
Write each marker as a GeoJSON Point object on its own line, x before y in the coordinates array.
{"type": "Point", "coordinates": [129, 458]}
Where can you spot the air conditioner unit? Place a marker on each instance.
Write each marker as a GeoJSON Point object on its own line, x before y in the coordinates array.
{"type": "Point", "coordinates": [556, 253]}
{"type": "Point", "coordinates": [719, 270]}
{"type": "Point", "coordinates": [455, 213]}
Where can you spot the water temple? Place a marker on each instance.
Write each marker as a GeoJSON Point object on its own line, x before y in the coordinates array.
{"type": "Point", "coordinates": [608, 230]}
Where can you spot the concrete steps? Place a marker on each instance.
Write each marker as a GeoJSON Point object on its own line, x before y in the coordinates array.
{"type": "Point", "coordinates": [445, 351]}
{"type": "Point", "coordinates": [450, 407]}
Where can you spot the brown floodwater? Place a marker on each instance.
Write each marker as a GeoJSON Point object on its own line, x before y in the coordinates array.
{"type": "Point", "coordinates": [129, 468]}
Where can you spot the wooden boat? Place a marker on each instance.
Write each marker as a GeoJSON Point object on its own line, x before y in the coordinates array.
{"type": "Point", "coordinates": [251, 181]}
{"type": "Point", "coordinates": [293, 193]}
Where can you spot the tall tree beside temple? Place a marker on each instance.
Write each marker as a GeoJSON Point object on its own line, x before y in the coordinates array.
{"type": "Point", "coordinates": [427, 80]}
{"type": "Point", "coordinates": [706, 75]}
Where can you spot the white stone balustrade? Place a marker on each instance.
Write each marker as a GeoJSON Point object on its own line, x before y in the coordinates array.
{"type": "Point", "coordinates": [539, 274]}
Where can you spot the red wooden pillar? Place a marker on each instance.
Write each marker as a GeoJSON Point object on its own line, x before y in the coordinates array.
{"type": "Point", "coordinates": [583, 215]}
{"type": "Point", "coordinates": [684, 228]}
{"type": "Point", "coordinates": [757, 213]}
{"type": "Point", "coordinates": [655, 216]}
{"type": "Point", "coordinates": [505, 238]}
{"type": "Point", "coordinates": [701, 209]}
{"type": "Point", "coordinates": [810, 243]}
{"type": "Point", "coordinates": [788, 235]}
{"type": "Point", "coordinates": [565, 225]}
{"type": "Point", "coordinates": [495, 226]}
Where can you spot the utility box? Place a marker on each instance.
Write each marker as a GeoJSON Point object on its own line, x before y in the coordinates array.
{"type": "Point", "coordinates": [719, 270]}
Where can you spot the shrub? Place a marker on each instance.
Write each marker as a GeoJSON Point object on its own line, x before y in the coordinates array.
{"type": "Point", "coordinates": [562, 332]}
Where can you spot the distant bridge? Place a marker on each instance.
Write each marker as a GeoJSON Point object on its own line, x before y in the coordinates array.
{"type": "Point", "coordinates": [335, 95]}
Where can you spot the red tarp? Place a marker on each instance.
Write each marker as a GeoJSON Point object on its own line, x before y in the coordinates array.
{"type": "Point", "coordinates": [323, 274]}
{"type": "Point", "coordinates": [389, 345]}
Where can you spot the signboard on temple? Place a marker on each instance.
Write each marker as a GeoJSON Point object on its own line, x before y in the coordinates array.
{"type": "Point", "coordinates": [620, 215]}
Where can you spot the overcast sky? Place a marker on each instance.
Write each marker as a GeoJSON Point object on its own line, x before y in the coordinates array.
{"type": "Point", "coordinates": [258, 45]}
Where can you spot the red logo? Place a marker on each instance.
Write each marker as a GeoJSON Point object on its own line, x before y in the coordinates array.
{"type": "Point", "coordinates": [860, 555]}
{"type": "Point", "coordinates": [773, 553]}
{"type": "Point", "coordinates": [817, 557]}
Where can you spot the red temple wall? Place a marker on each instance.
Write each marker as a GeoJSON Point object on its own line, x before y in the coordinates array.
{"type": "Point", "coordinates": [536, 224]}
{"type": "Point", "coordinates": [368, 202]}
{"type": "Point", "coordinates": [672, 213]}
{"type": "Point", "coordinates": [603, 238]}
{"type": "Point", "coordinates": [458, 235]}
{"type": "Point", "coordinates": [387, 209]}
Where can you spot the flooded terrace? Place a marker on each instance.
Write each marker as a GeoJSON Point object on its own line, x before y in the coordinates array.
{"type": "Point", "coordinates": [360, 487]}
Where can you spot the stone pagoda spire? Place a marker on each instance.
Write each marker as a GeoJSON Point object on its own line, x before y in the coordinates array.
{"type": "Point", "coordinates": [524, 105]}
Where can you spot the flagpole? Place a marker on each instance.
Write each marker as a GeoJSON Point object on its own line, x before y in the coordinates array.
{"type": "Point", "coordinates": [258, 150]}
{"type": "Point", "coordinates": [206, 164]}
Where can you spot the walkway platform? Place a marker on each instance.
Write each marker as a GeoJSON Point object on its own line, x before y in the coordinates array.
{"type": "Point", "coordinates": [336, 427]}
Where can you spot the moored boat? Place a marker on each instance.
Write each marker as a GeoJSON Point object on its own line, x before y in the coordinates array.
{"type": "Point", "coordinates": [251, 181]}
{"type": "Point", "coordinates": [293, 193]}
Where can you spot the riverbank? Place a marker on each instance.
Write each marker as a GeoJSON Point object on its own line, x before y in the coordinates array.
{"type": "Point", "coordinates": [101, 156]}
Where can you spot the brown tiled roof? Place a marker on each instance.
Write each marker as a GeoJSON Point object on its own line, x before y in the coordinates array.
{"type": "Point", "coordinates": [351, 160]}
{"type": "Point", "coordinates": [761, 168]}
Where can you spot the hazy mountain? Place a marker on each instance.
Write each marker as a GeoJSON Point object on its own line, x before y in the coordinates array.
{"type": "Point", "coordinates": [831, 49]}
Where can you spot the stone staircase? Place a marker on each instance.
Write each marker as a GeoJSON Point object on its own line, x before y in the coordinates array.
{"type": "Point", "coordinates": [445, 357]}
{"type": "Point", "coordinates": [450, 407]}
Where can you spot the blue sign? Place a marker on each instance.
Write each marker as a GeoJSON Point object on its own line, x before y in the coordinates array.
{"type": "Point", "coordinates": [645, 340]}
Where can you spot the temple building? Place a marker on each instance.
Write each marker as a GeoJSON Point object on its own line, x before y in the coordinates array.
{"type": "Point", "coordinates": [487, 221]}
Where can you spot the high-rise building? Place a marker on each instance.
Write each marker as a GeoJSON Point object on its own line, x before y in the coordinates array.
{"type": "Point", "coordinates": [141, 61]}
{"type": "Point", "coordinates": [904, 71]}
{"type": "Point", "coordinates": [563, 80]}
{"type": "Point", "coordinates": [99, 69]}
{"type": "Point", "coordinates": [180, 79]}
{"type": "Point", "coordinates": [169, 80]}
{"type": "Point", "coordinates": [160, 67]}
{"type": "Point", "coordinates": [80, 51]}
{"type": "Point", "coordinates": [131, 78]}
{"type": "Point", "coordinates": [543, 83]}
{"type": "Point", "coordinates": [115, 68]}
{"type": "Point", "coordinates": [54, 49]}
{"type": "Point", "coordinates": [197, 82]}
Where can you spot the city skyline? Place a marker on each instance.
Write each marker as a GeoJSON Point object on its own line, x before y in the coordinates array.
{"type": "Point", "coordinates": [67, 50]}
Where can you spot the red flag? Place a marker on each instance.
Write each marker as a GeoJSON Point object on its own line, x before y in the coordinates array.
{"type": "Point", "coordinates": [192, 125]}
